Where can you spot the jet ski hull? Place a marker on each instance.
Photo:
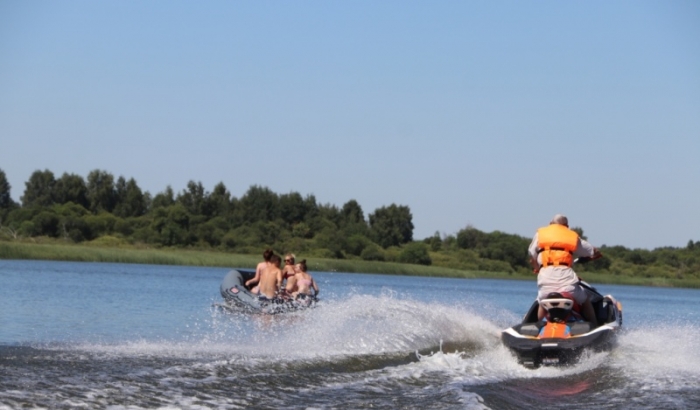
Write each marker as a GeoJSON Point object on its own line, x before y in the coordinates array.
{"type": "Point", "coordinates": [528, 340]}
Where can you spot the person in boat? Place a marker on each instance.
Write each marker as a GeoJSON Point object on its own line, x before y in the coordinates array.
{"type": "Point", "coordinates": [552, 253]}
{"type": "Point", "coordinates": [267, 254]}
{"type": "Point", "coordinates": [303, 282]}
{"type": "Point", "coordinates": [271, 278]}
{"type": "Point", "coordinates": [288, 270]}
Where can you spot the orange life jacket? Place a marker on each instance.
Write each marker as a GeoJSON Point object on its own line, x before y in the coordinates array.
{"type": "Point", "coordinates": [556, 245]}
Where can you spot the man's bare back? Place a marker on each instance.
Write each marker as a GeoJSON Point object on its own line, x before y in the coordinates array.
{"type": "Point", "coordinates": [271, 278]}
{"type": "Point", "coordinates": [259, 269]}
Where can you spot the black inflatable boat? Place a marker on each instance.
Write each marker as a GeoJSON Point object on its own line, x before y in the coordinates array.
{"type": "Point", "coordinates": [237, 297]}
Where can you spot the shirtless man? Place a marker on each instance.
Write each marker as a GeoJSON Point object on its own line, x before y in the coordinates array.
{"type": "Point", "coordinates": [271, 278]}
{"type": "Point", "coordinates": [259, 270]}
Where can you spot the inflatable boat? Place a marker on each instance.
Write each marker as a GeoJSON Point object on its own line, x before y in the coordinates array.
{"type": "Point", "coordinates": [562, 336]}
{"type": "Point", "coordinates": [237, 297]}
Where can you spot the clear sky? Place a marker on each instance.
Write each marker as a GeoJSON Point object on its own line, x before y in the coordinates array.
{"type": "Point", "coordinates": [485, 113]}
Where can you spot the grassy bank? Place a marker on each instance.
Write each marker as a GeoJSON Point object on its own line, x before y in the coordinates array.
{"type": "Point", "coordinates": [87, 253]}
{"type": "Point", "coordinates": [91, 253]}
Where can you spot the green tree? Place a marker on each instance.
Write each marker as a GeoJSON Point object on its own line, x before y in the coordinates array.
{"type": "Point", "coordinates": [259, 205]}
{"type": "Point", "coordinates": [373, 252]}
{"type": "Point", "coordinates": [416, 253]}
{"type": "Point", "coordinates": [130, 200]}
{"type": "Point", "coordinates": [6, 201]}
{"type": "Point", "coordinates": [45, 223]}
{"type": "Point", "coordinates": [506, 247]}
{"type": "Point", "coordinates": [351, 213]}
{"type": "Point", "coordinates": [71, 188]}
{"type": "Point", "coordinates": [172, 225]}
{"type": "Point", "coordinates": [325, 216]}
{"type": "Point", "coordinates": [72, 223]}
{"type": "Point", "coordinates": [101, 191]}
{"type": "Point", "coordinates": [355, 244]}
{"type": "Point", "coordinates": [39, 189]}
{"type": "Point", "coordinates": [391, 226]}
{"type": "Point", "coordinates": [164, 199]}
{"type": "Point", "coordinates": [435, 242]}
{"type": "Point", "coordinates": [311, 206]}
{"type": "Point", "coordinates": [579, 231]}
{"type": "Point", "coordinates": [331, 239]}
{"type": "Point", "coordinates": [218, 203]}
{"type": "Point", "coordinates": [193, 198]}
{"type": "Point", "coordinates": [471, 238]}
{"type": "Point", "coordinates": [352, 220]}
{"type": "Point", "coordinates": [212, 232]}
{"type": "Point", "coordinates": [292, 208]}
{"type": "Point", "coordinates": [101, 224]}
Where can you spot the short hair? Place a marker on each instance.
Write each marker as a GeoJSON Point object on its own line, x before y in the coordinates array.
{"type": "Point", "coordinates": [268, 254]}
{"type": "Point", "coordinates": [560, 220]}
{"type": "Point", "coordinates": [275, 259]}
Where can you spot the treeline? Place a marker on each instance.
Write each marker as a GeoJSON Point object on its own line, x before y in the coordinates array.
{"type": "Point", "coordinates": [79, 210]}
{"type": "Point", "coordinates": [116, 211]}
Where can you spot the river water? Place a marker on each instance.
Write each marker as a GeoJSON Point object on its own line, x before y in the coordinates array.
{"type": "Point", "coordinates": [122, 336]}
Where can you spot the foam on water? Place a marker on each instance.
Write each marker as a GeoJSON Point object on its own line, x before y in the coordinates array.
{"type": "Point", "coordinates": [387, 324]}
{"type": "Point", "coordinates": [359, 325]}
{"type": "Point", "coordinates": [662, 357]}
{"type": "Point", "coordinates": [385, 345]}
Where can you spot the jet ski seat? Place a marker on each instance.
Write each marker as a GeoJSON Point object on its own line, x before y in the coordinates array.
{"type": "Point", "coordinates": [558, 308]}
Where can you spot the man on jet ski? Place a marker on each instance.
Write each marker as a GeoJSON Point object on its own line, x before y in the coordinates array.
{"type": "Point", "coordinates": [552, 253]}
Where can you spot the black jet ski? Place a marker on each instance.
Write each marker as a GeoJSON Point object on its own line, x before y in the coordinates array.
{"type": "Point", "coordinates": [237, 297]}
{"type": "Point", "coordinates": [563, 335]}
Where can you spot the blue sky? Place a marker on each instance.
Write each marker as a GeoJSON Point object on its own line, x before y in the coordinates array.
{"type": "Point", "coordinates": [491, 114]}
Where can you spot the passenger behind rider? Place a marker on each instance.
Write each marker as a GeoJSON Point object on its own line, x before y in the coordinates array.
{"type": "Point", "coordinates": [267, 254]}
{"type": "Point", "coordinates": [288, 271]}
{"type": "Point", "coordinates": [303, 282]}
{"type": "Point", "coordinates": [552, 253]}
{"type": "Point", "coordinates": [271, 278]}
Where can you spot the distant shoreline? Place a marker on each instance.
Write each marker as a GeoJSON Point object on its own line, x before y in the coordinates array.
{"type": "Point", "coordinates": [188, 257]}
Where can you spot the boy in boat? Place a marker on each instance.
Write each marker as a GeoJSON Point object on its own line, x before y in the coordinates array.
{"type": "Point", "coordinates": [552, 252]}
{"type": "Point", "coordinates": [267, 254]}
{"type": "Point", "coordinates": [271, 278]}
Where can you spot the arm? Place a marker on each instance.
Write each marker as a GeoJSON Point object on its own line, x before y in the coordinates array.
{"type": "Point", "coordinates": [315, 286]}
{"type": "Point", "coordinates": [535, 265]}
{"type": "Point", "coordinates": [278, 280]}
{"type": "Point", "coordinates": [532, 252]}
{"type": "Point", "coordinates": [586, 250]}
{"type": "Point", "coordinates": [256, 278]}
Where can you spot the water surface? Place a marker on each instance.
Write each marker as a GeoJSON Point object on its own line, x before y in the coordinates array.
{"type": "Point", "coordinates": [121, 336]}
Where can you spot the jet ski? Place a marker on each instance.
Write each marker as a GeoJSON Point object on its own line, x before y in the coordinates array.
{"type": "Point", "coordinates": [562, 336]}
{"type": "Point", "coordinates": [239, 298]}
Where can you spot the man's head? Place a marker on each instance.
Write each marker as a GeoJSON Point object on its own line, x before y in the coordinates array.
{"type": "Point", "coordinates": [275, 260]}
{"type": "Point", "coordinates": [267, 254]}
{"type": "Point", "coordinates": [560, 220]}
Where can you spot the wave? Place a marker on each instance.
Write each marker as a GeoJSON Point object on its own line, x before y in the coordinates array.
{"type": "Point", "coordinates": [372, 332]}
{"type": "Point", "coordinates": [386, 349]}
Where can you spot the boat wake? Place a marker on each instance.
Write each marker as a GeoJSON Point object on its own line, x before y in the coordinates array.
{"type": "Point", "coordinates": [366, 347]}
